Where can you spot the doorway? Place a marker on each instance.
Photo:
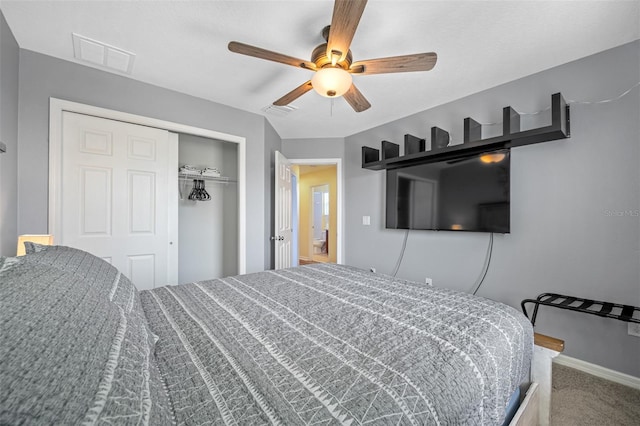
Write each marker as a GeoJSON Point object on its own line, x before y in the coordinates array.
{"type": "Point", "coordinates": [319, 213]}
{"type": "Point", "coordinates": [287, 226]}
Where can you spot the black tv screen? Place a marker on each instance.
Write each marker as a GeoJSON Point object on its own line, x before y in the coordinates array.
{"type": "Point", "coordinates": [465, 194]}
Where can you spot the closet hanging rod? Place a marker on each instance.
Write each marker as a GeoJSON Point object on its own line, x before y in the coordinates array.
{"type": "Point", "coordinates": [221, 179]}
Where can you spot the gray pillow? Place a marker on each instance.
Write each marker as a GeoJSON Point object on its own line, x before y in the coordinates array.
{"type": "Point", "coordinates": [67, 258]}
{"type": "Point", "coordinates": [6, 263]}
{"type": "Point", "coordinates": [95, 270]}
{"type": "Point", "coordinates": [31, 247]}
{"type": "Point", "coordinates": [75, 345]}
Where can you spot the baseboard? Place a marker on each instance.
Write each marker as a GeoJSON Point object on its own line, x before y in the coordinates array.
{"type": "Point", "coordinates": [598, 371]}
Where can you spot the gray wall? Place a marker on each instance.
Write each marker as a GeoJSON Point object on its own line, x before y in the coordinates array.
{"type": "Point", "coordinates": [313, 148]}
{"type": "Point", "coordinates": [9, 68]}
{"type": "Point", "coordinates": [42, 77]}
{"type": "Point", "coordinates": [208, 229]}
{"type": "Point", "coordinates": [566, 235]}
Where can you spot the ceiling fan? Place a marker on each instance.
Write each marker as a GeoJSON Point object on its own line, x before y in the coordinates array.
{"type": "Point", "coordinates": [333, 63]}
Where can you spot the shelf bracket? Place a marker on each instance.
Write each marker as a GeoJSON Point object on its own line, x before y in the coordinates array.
{"type": "Point", "coordinates": [413, 144]}
{"type": "Point", "coordinates": [472, 130]}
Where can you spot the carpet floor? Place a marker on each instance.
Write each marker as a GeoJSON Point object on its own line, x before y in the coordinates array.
{"type": "Point", "coordinates": [579, 398]}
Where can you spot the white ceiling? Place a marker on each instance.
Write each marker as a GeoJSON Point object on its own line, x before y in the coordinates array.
{"type": "Point", "coordinates": [182, 45]}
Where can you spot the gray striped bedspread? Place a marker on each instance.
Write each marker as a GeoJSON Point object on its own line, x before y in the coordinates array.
{"type": "Point", "coordinates": [329, 344]}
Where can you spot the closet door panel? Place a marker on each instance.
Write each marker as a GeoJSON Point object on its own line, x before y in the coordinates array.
{"type": "Point", "coordinates": [95, 201]}
{"type": "Point", "coordinates": [142, 149]}
{"type": "Point", "coordinates": [117, 196]}
{"type": "Point", "coordinates": [142, 189]}
{"type": "Point", "coordinates": [95, 141]}
{"type": "Point", "coordinates": [141, 269]}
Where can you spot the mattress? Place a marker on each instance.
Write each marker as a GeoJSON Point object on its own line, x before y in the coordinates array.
{"type": "Point", "coordinates": [331, 344]}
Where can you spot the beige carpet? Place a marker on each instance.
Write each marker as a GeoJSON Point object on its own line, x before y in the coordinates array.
{"type": "Point", "coordinates": [581, 399]}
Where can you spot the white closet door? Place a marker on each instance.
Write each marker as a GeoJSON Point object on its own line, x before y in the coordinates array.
{"type": "Point", "coordinates": [118, 185]}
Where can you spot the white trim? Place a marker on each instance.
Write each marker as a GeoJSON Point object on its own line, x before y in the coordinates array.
{"type": "Point", "coordinates": [598, 371]}
{"type": "Point", "coordinates": [527, 413]}
{"type": "Point", "coordinates": [340, 188]}
{"type": "Point", "coordinates": [541, 366]}
{"type": "Point", "coordinates": [56, 108]}
{"type": "Point", "coordinates": [173, 216]}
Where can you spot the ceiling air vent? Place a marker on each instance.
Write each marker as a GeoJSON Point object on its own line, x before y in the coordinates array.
{"type": "Point", "coordinates": [102, 54]}
{"type": "Point", "coordinates": [279, 111]}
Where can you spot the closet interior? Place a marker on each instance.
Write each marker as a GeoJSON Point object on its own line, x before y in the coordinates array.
{"type": "Point", "coordinates": [208, 208]}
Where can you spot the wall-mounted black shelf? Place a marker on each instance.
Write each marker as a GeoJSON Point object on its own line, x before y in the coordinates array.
{"type": "Point", "coordinates": [414, 147]}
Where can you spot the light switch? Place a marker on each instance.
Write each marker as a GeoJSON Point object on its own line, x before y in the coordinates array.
{"type": "Point", "coordinates": [366, 220]}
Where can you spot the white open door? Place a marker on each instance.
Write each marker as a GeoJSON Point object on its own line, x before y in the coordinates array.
{"type": "Point", "coordinates": [282, 215]}
{"type": "Point", "coordinates": [118, 186]}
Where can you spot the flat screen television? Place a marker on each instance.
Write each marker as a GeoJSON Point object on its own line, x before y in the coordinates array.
{"type": "Point", "coordinates": [464, 194]}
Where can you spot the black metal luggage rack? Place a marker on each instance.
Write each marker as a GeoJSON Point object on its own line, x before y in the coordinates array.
{"type": "Point", "coordinates": [578, 304]}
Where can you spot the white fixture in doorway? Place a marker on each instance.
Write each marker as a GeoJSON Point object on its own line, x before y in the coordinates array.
{"type": "Point", "coordinates": [58, 106]}
{"type": "Point", "coordinates": [319, 223]}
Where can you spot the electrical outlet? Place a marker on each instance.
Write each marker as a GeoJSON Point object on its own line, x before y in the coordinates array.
{"type": "Point", "coordinates": [372, 269]}
{"type": "Point", "coordinates": [634, 328]}
{"type": "Point", "coordinates": [428, 280]}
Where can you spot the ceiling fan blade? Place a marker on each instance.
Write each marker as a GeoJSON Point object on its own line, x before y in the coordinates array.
{"type": "Point", "coordinates": [257, 52]}
{"type": "Point", "coordinates": [356, 99]}
{"type": "Point", "coordinates": [406, 63]}
{"type": "Point", "coordinates": [346, 16]}
{"type": "Point", "coordinates": [294, 94]}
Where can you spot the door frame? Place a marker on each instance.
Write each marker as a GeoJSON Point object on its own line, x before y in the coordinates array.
{"type": "Point", "coordinates": [58, 106]}
{"type": "Point", "coordinates": [340, 190]}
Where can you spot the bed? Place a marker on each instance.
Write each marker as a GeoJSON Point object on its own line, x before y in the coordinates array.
{"type": "Point", "coordinates": [316, 344]}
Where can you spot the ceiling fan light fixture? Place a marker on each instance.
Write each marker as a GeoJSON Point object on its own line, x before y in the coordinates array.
{"type": "Point", "coordinates": [331, 82]}
{"type": "Point", "coordinates": [333, 62]}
